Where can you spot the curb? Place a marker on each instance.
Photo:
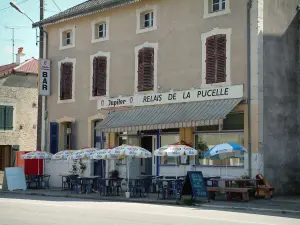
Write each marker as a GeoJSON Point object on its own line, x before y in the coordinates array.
{"type": "Point", "coordinates": [282, 211]}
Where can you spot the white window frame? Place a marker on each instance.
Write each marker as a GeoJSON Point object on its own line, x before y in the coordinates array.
{"type": "Point", "coordinates": [14, 117]}
{"type": "Point", "coordinates": [61, 32]}
{"type": "Point", "coordinates": [139, 11]}
{"type": "Point", "coordinates": [95, 31]}
{"type": "Point", "coordinates": [73, 60]}
{"type": "Point", "coordinates": [207, 5]}
{"type": "Point", "coordinates": [107, 55]}
{"type": "Point", "coordinates": [204, 36]}
{"type": "Point", "coordinates": [136, 53]}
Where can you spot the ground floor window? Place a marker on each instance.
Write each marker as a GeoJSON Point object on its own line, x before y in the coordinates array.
{"type": "Point", "coordinates": [167, 140]}
{"type": "Point", "coordinates": [212, 139]}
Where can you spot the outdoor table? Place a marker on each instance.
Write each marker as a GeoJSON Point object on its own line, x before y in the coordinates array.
{"type": "Point", "coordinates": [38, 179]}
{"type": "Point", "coordinates": [110, 187]}
{"type": "Point", "coordinates": [172, 185]}
{"type": "Point", "coordinates": [87, 182]}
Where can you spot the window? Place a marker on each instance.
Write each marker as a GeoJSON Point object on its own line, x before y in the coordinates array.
{"type": "Point", "coordinates": [100, 30]}
{"type": "Point", "coordinates": [218, 5]}
{"type": "Point", "coordinates": [216, 57]}
{"type": "Point", "coordinates": [6, 117]}
{"type": "Point", "coordinates": [168, 140]}
{"type": "Point", "coordinates": [99, 76]}
{"type": "Point", "coordinates": [146, 69]}
{"type": "Point", "coordinates": [216, 8]}
{"type": "Point", "coordinates": [66, 81]}
{"type": "Point", "coordinates": [146, 19]}
{"type": "Point", "coordinates": [67, 38]}
{"type": "Point", "coordinates": [212, 139]}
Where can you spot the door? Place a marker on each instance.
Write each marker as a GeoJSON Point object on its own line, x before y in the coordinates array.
{"type": "Point", "coordinates": [99, 140]}
{"type": "Point", "coordinates": [146, 164]}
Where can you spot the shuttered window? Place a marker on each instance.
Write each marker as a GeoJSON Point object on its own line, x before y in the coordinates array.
{"type": "Point", "coordinates": [146, 69]}
{"type": "Point", "coordinates": [99, 76]}
{"type": "Point", "coordinates": [216, 59]}
{"type": "Point", "coordinates": [66, 80]}
{"type": "Point", "coordinates": [6, 117]}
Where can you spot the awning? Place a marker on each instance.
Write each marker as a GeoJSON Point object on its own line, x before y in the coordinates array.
{"type": "Point", "coordinates": [168, 116]}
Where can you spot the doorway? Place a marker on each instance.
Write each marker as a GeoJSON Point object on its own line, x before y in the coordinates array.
{"type": "Point", "coordinates": [5, 156]}
{"type": "Point", "coordinates": [99, 165]}
{"type": "Point", "coordinates": [146, 164]}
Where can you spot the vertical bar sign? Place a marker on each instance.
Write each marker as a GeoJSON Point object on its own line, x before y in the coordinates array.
{"type": "Point", "coordinates": [44, 77]}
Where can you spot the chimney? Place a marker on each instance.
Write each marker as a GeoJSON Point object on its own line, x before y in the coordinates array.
{"type": "Point", "coordinates": [19, 56]}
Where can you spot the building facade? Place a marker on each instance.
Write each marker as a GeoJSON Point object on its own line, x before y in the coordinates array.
{"type": "Point", "coordinates": [18, 110]}
{"type": "Point", "coordinates": [158, 72]}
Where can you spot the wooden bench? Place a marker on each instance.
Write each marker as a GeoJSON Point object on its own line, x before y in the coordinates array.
{"type": "Point", "coordinates": [228, 190]}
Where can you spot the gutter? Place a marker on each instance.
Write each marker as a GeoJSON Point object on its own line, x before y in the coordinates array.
{"type": "Point", "coordinates": [249, 6]}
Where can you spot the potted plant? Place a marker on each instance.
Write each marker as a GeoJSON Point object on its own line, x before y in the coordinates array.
{"type": "Point", "coordinates": [202, 148]}
{"type": "Point", "coordinates": [74, 169]}
{"type": "Point", "coordinates": [114, 174]}
{"type": "Point", "coordinates": [82, 167]}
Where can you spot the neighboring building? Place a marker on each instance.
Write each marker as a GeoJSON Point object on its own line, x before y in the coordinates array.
{"type": "Point", "coordinates": [18, 109]}
{"type": "Point", "coordinates": [182, 69]}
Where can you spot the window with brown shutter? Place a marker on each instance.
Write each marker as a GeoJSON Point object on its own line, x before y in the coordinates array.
{"type": "Point", "coordinates": [216, 59]}
{"type": "Point", "coordinates": [66, 80]}
{"type": "Point", "coordinates": [146, 69]}
{"type": "Point", "coordinates": [99, 76]}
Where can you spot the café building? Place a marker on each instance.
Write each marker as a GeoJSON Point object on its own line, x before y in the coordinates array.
{"type": "Point", "coordinates": [200, 118]}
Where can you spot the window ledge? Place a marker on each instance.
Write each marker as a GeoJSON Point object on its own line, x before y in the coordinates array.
{"type": "Point", "coordinates": [66, 47]}
{"type": "Point", "coordinates": [214, 14]}
{"type": "Point", "coordinates": [65, 101]}
{"type": "Point", "coordinates": [212, 166]}
{"type": "Point", "coordinates": [7, 131]}
{"type": "Point", "coordinates": [96, 40]}
{"type": "Point", "coordinates": [140, 31]}
{"type": "Point", "coordinates": [97, 97]}
{"type": "Point", "coordinates": [223, 84]}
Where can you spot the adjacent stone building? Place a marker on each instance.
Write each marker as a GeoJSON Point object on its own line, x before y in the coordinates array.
{"type": "Point", "coordinates": [18, 109]}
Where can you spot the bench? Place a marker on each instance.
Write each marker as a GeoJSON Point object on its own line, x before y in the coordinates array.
{"type": "Point", "coordinates": [228, 190]}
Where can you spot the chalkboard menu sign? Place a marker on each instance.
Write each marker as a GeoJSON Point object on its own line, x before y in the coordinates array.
{"type": "Point", "coordinates": [194, 185]}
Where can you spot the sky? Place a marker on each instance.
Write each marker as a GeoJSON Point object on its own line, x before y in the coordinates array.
{"type": "Point", "coordinates": [25, 36]}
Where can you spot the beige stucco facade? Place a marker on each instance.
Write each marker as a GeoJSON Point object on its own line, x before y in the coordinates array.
{"type": "Point", "coordinates": [180, 26]}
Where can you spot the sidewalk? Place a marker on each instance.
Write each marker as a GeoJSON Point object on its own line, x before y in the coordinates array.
{"type": "Point", "coordinates": [288, 205]}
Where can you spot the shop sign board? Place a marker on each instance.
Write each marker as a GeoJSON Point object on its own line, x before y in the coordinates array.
{"type": "Point", "coordinates": [44, 77]}
{"type": "Point", "coordinates": [191, 95]}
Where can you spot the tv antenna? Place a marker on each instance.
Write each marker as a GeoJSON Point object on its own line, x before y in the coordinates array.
{"type": "Point", "coordinates": [13, 41]}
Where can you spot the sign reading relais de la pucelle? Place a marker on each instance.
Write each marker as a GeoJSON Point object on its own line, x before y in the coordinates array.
{"type": "Point", "coordinates": [191, 95]}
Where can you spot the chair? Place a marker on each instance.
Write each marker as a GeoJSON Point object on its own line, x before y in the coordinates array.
{"type": "Point", "coordinates": [32, 179]}
{"type": "Point", "coordinates": [75, 183]}
{"type": "Point", "coordinates": [101, 186]}
{"type": "Point", "coordinates": [161, 189]}
{"type": "Point", "coordinates": [45, 181]}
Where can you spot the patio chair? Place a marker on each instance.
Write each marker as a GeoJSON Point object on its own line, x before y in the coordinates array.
{"type": "Point", "coordinates": [75, 183]}
{"type": "Point", "coordinates": [45, 181]}
{"type": "Point", "coordinates": [161, 189]}
{"type": "Point", "coordinates": [101, 186]}
{"type": "Point", "coordinates": [32, 179]}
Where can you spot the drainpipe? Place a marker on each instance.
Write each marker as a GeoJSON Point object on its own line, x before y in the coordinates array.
{"type": "Point", "coordinates": [249, 6]}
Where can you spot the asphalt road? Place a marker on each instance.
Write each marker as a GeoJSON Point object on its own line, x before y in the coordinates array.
{"type": "Point", "coordinates": [33, 210]}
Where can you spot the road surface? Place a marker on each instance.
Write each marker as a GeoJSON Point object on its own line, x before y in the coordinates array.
{"type": "Point", "coordinates": [34, 210]}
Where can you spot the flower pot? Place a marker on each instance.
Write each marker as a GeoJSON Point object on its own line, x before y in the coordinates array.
{"type": "Point", "coordinates": [127, 194]}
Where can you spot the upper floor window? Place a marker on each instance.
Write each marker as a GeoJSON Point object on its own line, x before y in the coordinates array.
{"type": "Point", "coordinates": [6, 117]}
{"type": "Point", "coordinates": [146, 19]}
{"type": "Point", "coordinates": [216, 8]}
{"type": "Point", "coordinates": [99, 78]}
{"type": "Point", "coordinates": [67, 37]}
{"type": "Point", "coordinates": [146, 69]}
{"type": "Point", "coordinates": [216, 57]}
{"type": "Point", "coordinates": [66, 81]}
{"type": "Point", "coordinates": [100, 30]}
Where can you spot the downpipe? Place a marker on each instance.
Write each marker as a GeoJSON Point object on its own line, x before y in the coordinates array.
{"type": "Point", "coordinates": [249, 6]}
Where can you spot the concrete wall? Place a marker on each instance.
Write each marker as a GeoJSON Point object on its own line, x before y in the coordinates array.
{"type": "Point", "coordinates": [280, 125]}
{"type": "Point", "coordinates": [25, 114]}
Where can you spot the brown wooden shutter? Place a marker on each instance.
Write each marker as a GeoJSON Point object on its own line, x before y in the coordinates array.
{"type": "Point", "coordinates": [216, 59]}
{"type": "Point", "coordinates": [210, 60]}
{"type": "Point", "coordinates": [99, 76]}
{"type": "Point", "coordinates": [146, 69]}
{"type": "Point", "coordinates": [221, 58]}
{"type": "Point", "coordinates": [66, 81]}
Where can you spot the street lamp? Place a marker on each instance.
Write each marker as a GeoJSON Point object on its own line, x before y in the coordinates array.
{"type": "Point", "coordinates": [14, 5]}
